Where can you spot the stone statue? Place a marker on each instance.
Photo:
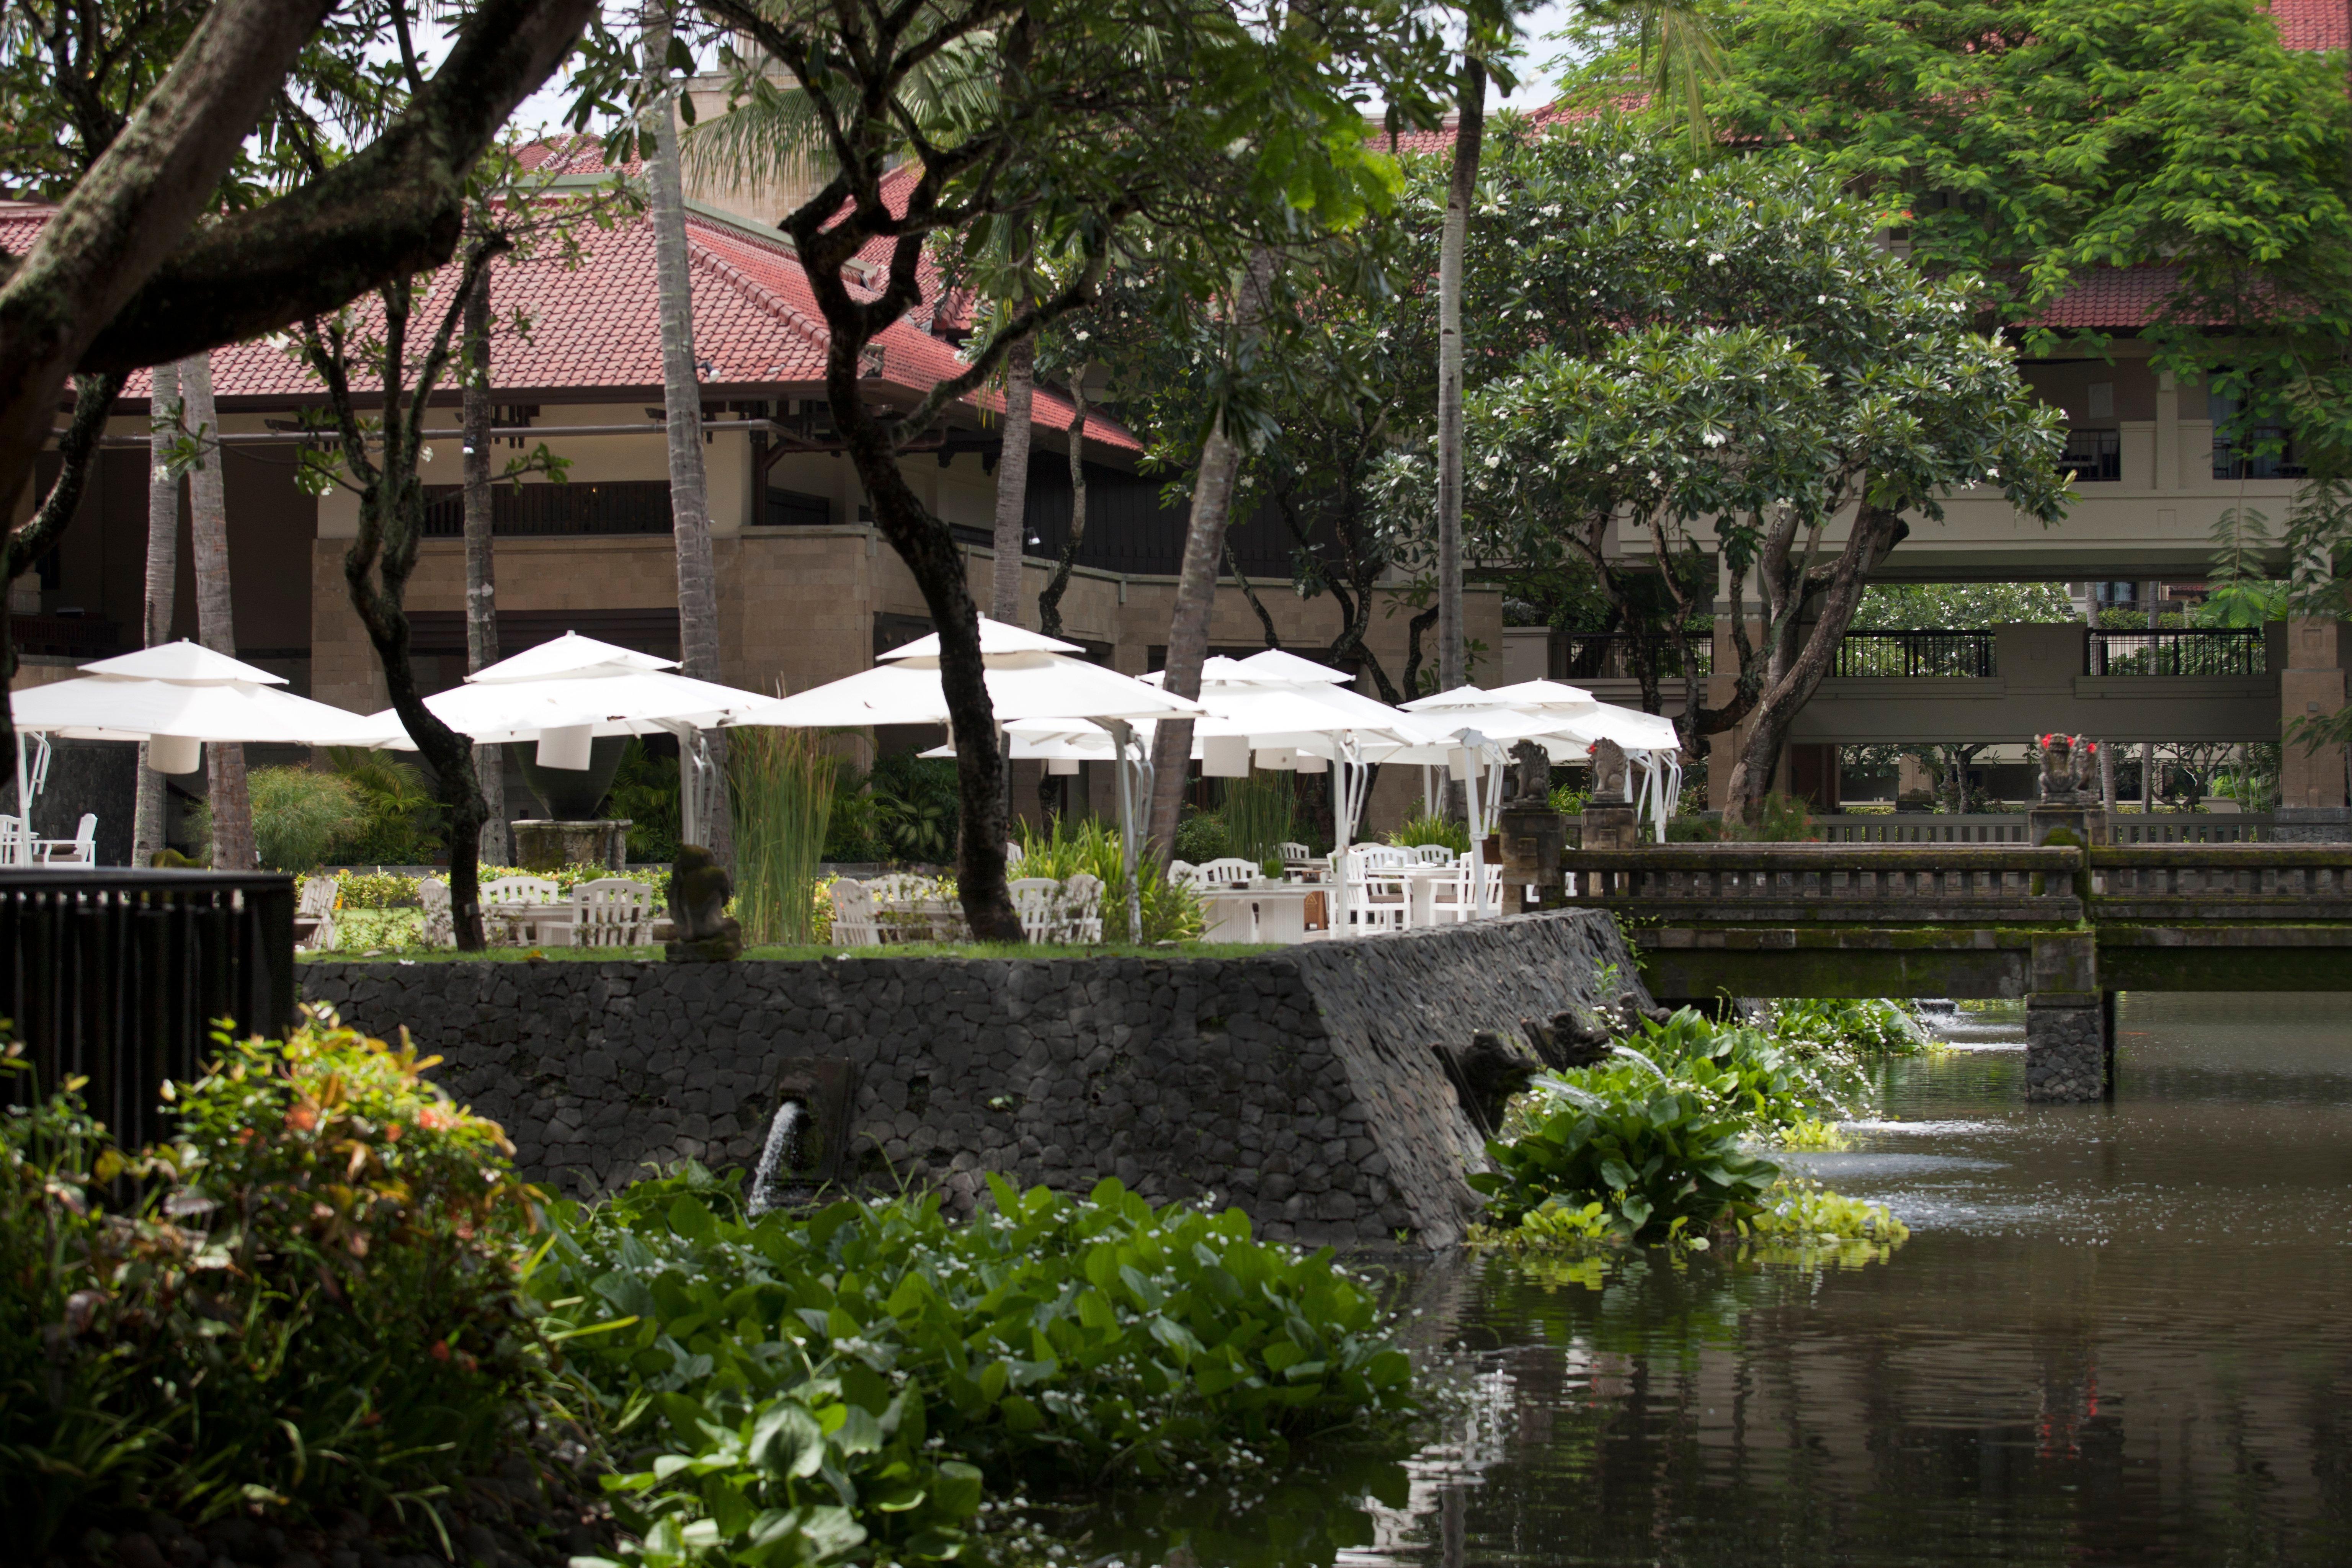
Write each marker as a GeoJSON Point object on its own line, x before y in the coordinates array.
{"type": "Point", "coordinates": [701, 929]}
{"type": "Point", "coordinates": [1534, 767]}
{"type": "Point", "coordinates": [1608, 772]}
{"type": "Point", "coordinates": [1484, 1078]}
{"type": "Point", "coordinates": [2057, 767]}
{"type": "Point", "coordinates": [2086, 761]}
{"type": "Point", "coordinates": [1569, 1040]}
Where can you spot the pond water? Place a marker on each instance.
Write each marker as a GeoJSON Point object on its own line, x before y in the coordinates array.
{"type": "Point", "coordinates": [2118, 1334]}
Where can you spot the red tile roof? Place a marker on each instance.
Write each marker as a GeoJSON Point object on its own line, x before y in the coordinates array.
{"type": "Point", "coordinates": [597, 327]}
{"type": "Point", "coordinates": [2118, 299]}
{"type": "Point", "coordinates": [2312, 24]}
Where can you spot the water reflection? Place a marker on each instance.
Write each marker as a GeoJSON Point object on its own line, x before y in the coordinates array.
{"type": "Point", "coordinates": [2118, 1334]}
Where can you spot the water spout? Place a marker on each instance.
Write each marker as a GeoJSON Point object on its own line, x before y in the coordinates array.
{"type": "Point", "coordinates": [782, 1151]}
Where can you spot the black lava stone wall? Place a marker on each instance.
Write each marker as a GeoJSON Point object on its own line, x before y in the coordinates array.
{"type": "Point", "coordinates": [1298, 1084]}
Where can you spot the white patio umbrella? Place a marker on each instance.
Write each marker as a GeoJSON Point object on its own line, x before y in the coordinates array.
{"type": "Point", "coordinates": [1028, 676]}
{"type": "Point", "coordinates": [568, 693]}
{"type": "Point", "coordinates": [1566, 722]}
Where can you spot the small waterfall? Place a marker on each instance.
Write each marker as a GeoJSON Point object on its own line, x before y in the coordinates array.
{"type": "Point", "coordinates": [781, 1153]}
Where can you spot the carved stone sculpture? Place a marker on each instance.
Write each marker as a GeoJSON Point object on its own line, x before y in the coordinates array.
{"type": "Point", "coordinates": [1533, 765]}
{"type": "Point", "coordinates": [701, 930]}
{"type": "Point", "coordinates": [2058, 772]}
{"type": "Point", "coordinates": [1485, 1074]}
{"type": "Point", "coordinates": [1569, 1040]}
{"type": "Point", "coordinates": [1609, 771]}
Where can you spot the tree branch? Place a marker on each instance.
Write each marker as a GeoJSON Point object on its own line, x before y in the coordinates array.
{"type": "Point", "coordinates": [392, 209]}
{"type": "Point", "coordinates": [94, 398]}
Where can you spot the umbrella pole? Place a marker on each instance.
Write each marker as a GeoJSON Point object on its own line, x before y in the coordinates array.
{"type": "Point", "coordinates": [1119, 736]}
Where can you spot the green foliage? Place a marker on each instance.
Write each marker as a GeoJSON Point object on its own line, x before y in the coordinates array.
{"type": "Point", "coordinates": [1200, 837]}
{"type": "Point", "coordinates": [399, 819]}
{"type": "Point", "coordinates": [873, 1339]}
{"type": "Point", "coordinates": [1849, 1027]}
{"type": "Point", "coordinates": [1256, 813]}
{"type": "Point", "coordinates": [646, 793]}
{"type": "Point", "coordinates": [375, 890]}
{"type": "Point", "coordinates": [1961, 607]}
{"type": "Point", "coordinates": [1569, 800]}
{"type": "Point", "coordinates": [1780, 819]}
{"type": "Point", "coordinates": [915, 806]}
{"type": "Point", "coordinates": [1422, 828]}
{"type": "Point", "coordinates": [1171, 910]}
{"type": "Point", "coordinates": [299, 816]}
{"type": "Point", "coordinates": [781, 785]}
{"type": "Point", "coordinates": [314, 1305]}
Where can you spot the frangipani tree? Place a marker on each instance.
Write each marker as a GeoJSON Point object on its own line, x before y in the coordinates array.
{"type": "Point", "coordinates": [1853, 392]}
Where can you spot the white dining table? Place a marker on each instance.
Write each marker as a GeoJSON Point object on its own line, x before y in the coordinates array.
{"type": "Point", "coordinates": [1283, 912]}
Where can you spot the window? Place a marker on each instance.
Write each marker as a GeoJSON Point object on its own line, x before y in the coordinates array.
{"type": "Point", "coordinates": [2249, 452]}
{"type": "Point", "coordinates": [795, 509]}
{"type": "Point", "coordinates": [583, 506]}
{"type": "Point", "coordinates": [2093, 455]}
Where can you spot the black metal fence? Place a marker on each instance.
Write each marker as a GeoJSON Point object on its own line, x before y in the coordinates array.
{"type": "Point", "coordinates": [2177, 650]}
{"type": "Point", "coordinates": [1613, 656]}
{"type": "Point", "coordinates": [1911, 654]}
{"type": "Point", "coordinates": [119, 976]}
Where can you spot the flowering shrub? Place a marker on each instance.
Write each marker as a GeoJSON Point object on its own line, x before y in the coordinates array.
{"type": "Point", "coordinates": [313, 1305]}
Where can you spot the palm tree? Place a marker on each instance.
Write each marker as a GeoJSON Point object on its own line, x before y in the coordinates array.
{"type": "Point", "coordinates": [697, 575]}
{"type": "Point", "coordinates": [232, 806]}
{"type": "Point", "coordinates": [162, 581]}
{"type": "Point", "coordinates": [1012, 470]}
{"type": "Point", "coordinates": [1461, 190]}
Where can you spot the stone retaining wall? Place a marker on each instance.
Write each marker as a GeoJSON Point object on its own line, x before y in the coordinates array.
{"type": "Point", "coordinates": [1298, 1084]}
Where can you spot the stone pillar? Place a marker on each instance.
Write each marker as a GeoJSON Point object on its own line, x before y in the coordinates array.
{"type": "Point", "coordinates": [1611, 819]}
{"type": "Point", "coordinates": [2069, 1038]}
{"type": "Point", "coordinates": [2312, 807]}
{"type": "Point", "coordinates": [1534, 837]}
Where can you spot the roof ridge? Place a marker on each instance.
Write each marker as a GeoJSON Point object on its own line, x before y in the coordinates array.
{"type": "Point", "coordinates": [759, 295]}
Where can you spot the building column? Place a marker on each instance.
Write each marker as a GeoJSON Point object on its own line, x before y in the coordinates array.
{"type": "Point", "coordinates": [2312, 807]}
{"type": "Point", "coordinates": [2168, 432]}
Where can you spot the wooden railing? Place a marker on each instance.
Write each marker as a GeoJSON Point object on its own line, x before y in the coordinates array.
{"type": "Point", "coordinates": [1804, 883]}
{"type": "Point", "coordinates": [119, 976]}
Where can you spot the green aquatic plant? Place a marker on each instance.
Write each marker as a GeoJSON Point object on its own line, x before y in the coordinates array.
{"type": "Point", "coordinates": [1866, 1027]}
{"type": "Point", "coordinates": [1813, 1134]}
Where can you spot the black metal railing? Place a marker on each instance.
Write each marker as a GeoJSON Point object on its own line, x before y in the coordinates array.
{"type": "Point", "coordinates": [1612, 656]}
{"type": "Point", "coordinates": [119, 976]}
{"type": "Point", "coordinates": [65, 637]}
{"type": "Point", "coordinates": [582, 506]}
{"type": "Point", "coordinates": [1910, 655]}
{"type": "Point", "coordinates": [2177, 650]}
{"type": "Point", "coordinates": [2093, 455]}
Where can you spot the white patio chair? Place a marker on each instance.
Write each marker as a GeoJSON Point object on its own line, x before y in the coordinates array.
{"type": "Point", "coordinates": [16, 847]}
{"type": "Point", "coordinates": [81, 849]}
{"type": "Point", "coordinates": [1232, 872]}
{"type": "Point", "coordinates": [1185, 873]}
{"type": "Point", "coordinates": [314, 914]}
{"type": "Point", "coordinates": [1433, 854]}
{"type": "Point", "coordinates": [1038, 900]}
{"type": "Point", "coordinates": [1082, 898]}
{"type": "Point", "coordinates": [612, 911]}
{"type": "Point", "coordinates": [1292, 852]}
{"type": "Point", "coordinates": [511, 916]}
{"type": "Point", "coordinates": [440, 919]}
{"type": "Point", "coordinates": [1368, 901]}
{"type": "Point", "coordinates": [1011, 853]}
{"type": "Point", "coordinates": [853, 915]}
{"type": "Point", "coordinates": [1450, 899]}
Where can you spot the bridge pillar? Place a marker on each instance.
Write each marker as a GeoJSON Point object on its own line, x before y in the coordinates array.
{"type": "Point", "coordinates": [2069, 1023]}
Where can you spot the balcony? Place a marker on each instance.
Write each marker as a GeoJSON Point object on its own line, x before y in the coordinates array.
{"type": "Point", "coordinates": [2177, 651]}
{"type": "Point", "coordinates": [2093, 456]}
{"type": "Point", "coordinates": [1913, 654]}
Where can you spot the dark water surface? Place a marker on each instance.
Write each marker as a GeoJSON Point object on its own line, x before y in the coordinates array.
{"type": "Point", "coordinates": [2118, 1334]}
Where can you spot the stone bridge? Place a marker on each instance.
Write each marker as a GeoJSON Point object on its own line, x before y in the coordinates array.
{"type": "Point", "coordinates": [2063, 925]}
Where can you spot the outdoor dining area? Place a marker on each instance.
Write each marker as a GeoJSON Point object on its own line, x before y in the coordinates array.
{"type": "Point", "coordinates": [1272, 713]}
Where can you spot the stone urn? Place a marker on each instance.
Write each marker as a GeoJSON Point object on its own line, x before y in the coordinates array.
{"type": "Point", "coordinates": [545, 846]}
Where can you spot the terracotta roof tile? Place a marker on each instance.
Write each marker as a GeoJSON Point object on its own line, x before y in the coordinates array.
{"type": "Point", "coordinates": [2312, 24]}
{"type": "Point", "coordinates": [597, 327]}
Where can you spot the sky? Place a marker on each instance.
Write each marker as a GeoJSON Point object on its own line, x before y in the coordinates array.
{"type": "Point", "coordinates": [546, 108]}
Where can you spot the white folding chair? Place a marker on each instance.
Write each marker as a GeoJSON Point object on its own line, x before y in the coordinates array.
{"type": "Point", "coordinates": [853, 915]}
{"type": "Point", "coordinates": [314, 913]}
{"type": "Point", "coordinates": [440, 918]}
{"type": "Point", "coordinates": [612, 911]}
{"type": "Point", "coordinates": [81, 849]}
{"type": "Point", "coordinates": [1038, 902]}
{"type": "Point", "coordinates": [1082, 909]}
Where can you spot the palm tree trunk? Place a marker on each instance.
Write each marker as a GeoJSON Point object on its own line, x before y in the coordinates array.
{"type": "Point", "coordinates": [162, 585]}
{"type": "Point", "coordinates": [232, 804]}
{"type": "Point", "coordinates": [1196, 581]}
{"type": "Point", "coordinates": [1012, 483]}
{"type": "Point", "coordinates": [1453, 669]}
{"type": "Point", "coordinates": [697, 574]}
{"type": "Point", "coordinates": [481, 577]}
